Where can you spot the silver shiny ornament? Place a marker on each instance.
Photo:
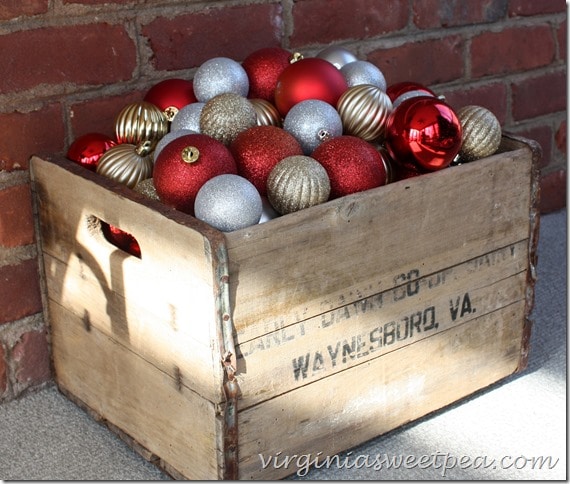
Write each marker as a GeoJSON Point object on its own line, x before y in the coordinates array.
{"type": "Point", "coordinates": [268, 212]}
{"type": "Point", "coordinates": [267, 113]}
{"type": "Point", "coordinates": [167, 138]}
{"type": "Point", "coordinates": [188, 117]}
{"type": "Point", "coordinates": [363, 72]}
{"type": "Point", "coordinates": [228, 203]}
{"type": "Point", "coordinates": [225, 116]}
{"type": "Point", "coordinates": [311, 122]}
{"type": "Point", "coordinates": [481, 133]}
{"type": "Point", "coordinates": [220, 75]}
{"type": "Point", "coordinates": [338, 56]}
{"type": "Point", "coordinates": [297, 182]}
{"type": "Point", "coordinates": [127, 163]}
{"type": "Point", "coordinates": [364, 110]}
{"type": "Point", "coordinates": [146, 187]}
{"type": "Point", "coordinates": [140, 121]}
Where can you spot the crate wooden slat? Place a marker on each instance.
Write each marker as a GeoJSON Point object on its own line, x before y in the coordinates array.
{"type": "Point", "coordinates": [336, 323]}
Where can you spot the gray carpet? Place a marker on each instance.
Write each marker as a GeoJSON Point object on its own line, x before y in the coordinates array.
{"type": "Point", "coordinates": [514, 430]}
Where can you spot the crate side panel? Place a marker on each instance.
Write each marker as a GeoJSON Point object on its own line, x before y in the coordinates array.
{"type": "Point", "coordinates": [371, 399]}
{"type": "Point", "coordinates": [290, 267]}
{"type": "Point", "coordinates": [159, 413]}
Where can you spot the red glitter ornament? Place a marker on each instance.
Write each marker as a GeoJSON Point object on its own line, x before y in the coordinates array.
{"type": "Point", "coordinates": [185, 164]}
{"type": "Point", "coordinates": [171, 95]}
{"type": "Point", "coordinates": [353, 165]}
{"type": "Point", "coordinates": [257, 151]}
{"type": "Point", "coordinates": [121, 239]}
{"type": "Point", "coordinates": [263, 68]}
{"type": "Point", "coordinates": [425, 131]}
{"type": "Point", "coordinates": [87, 149]}
{"type": "Point", "coordinates": [310, 78]}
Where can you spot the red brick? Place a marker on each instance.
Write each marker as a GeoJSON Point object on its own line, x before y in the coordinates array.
{"type": "Point", "coordinates": [80, 54]}
{"type": "Point", "coordinates": [20, 289]}
{"type": "Point", "coordinates": [444, 13]}
{"type": "Point", "coordinates": [31, 355]}
{"type": "Point", "coordinates": [560, 138]}
{"type": "Point", "coordinates": [330, 21]}
{"type": "Point", "coordinates": [3, 372]}
{"type": "Point", "coordinates": [561, 35]}
{"type": "Point", "coordinates": [16, 219]}
{"type": "Point", "coordinates": [491, 96]}
{"type": "Point", "coordinates": [543, 136]}
{"type": "Point", "coordinates": [25, 134]}
{"type": "Point", "coordinates": [532, 7]}
{"type": "Point", "coordinates": [16, 8]}
{"type": "Point", "coordinates": [512, 50]}
{"type": "Point", "coordinates": [188, 40]}
{"type": "Point", "coordinates": [540, 95]}
{"type": "Point", "coordinates": [553, 192]}
{"type": "Point", "coordinates": [428, 62]}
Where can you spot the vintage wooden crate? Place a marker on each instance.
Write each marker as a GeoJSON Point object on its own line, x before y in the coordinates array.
{"type": "Point", "coordinates": [313, 332]}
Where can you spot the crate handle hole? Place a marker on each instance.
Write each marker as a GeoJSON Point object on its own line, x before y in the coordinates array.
{"type": "Point", "coordinates": [117, 237]}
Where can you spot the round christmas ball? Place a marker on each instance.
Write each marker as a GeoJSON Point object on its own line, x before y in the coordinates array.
{"type": "Point", "coordinates": [423, 130]}
{"type": "Point", "coordinates": [127, 163]}
{"type": "Point", "coordinates": [308, 78]}
{"type": "Point", "coordinates": [402, 91]}
{"type": "Point", "coordinates": [364, 110]}
{"type": "Point", "coordinates": [311, 122]}
{"type": "Point", "coordinates": [268, 212]}
{"type": "Point", "coordinates": [171, 95]}
{"type": "Point", "coordinates": [87, 150]}
{"type": "Point", "coordinates": [267, 113]}
{"type": "Point", "coordinates": [121, 239]}
{"type": "Point", "coordinates": [146, 188]}
{"type": "Point", "coordinates": [167, 138]}
{"type": "Point", "coordinates": [185, 164]}
{"type": "Point", "coordinates": [481, 133]}
{"type": "Point", "coordinates": [140, 121]}
{"type": "Point", "coordinates": [263, 68]}
{"type": "Point", "coordinates": [337, 56]}
{"type": "Point", "coordinates": [226, 115]}
{"type": "Point", "coordinates": [188, 118]}
{"type": "Point", "coordinates": [297, 182]}
{"type": "Point", "coordinates": [257, 151]}
{"type": "Point", "coordinates": [363, 72]}
{"type": "Point", "coordinates": [220, 75]}
{"type": "Point", "coordinates": [228, 202]}
{"type": "Point", "coordinates": [353, 165]}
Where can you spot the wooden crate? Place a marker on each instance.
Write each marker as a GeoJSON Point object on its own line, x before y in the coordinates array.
{"type": "Point", "coordinates": [313, 332]}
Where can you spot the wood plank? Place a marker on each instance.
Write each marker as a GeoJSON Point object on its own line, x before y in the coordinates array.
{"type": "Point", "coordinates": [368, 400]}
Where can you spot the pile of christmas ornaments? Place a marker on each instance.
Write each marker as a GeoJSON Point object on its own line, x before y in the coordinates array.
{"type": "Point", "coordinates": [242, 143]}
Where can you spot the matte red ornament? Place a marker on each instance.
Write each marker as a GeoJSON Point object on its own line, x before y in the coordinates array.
{"type": "Point", "coordinates": [309, 78]}
{"type": "Point", "coordinates": [257, 151]}
{"type": "Point", "coordinates": [263, 68]}
{"type": "Point", "coordinates": [121, 239]}
{"type": "Point", "coordinates": [87, 149]}
{"type": "Point", "coordinates": [185, 164]}
{"type": "Point", "coordinates": [171, 95]}
{"type": "Point", "coordinates": [353, 165]}
{"type": "Point", "coordinates": [425, 131]}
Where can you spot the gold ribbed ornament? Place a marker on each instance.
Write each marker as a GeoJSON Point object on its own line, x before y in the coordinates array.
{"type": "Point", "coordinates": [127, 163]}
{"type": "Point", "coordinates": [267, 113]}
{"type": "Point", "coordinates": [481, 133]}
{"type": "Point", "coordinates": [140, 121]}
{"type": "Point", "coordinates": [297, 182]}
{"type": "Point", "coordinates": [364, 110]}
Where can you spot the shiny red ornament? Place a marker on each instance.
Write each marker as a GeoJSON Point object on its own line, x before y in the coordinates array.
{"type": "Point", "coordinates": [171, 95]}
{"type": "Point", "coordinates": [87, 149]}
{"type": "Point", "coordinates": [353, 165]}
{"type": "Point", "coordinates": [404, 90]}
{"type": "Point", "coordinates": [121, 239]}
{"type": "Point", "coordinates": [257, 151]}
{"type": "Point", "coordinates": [424, 131]}
{"type": "Point", "coordinates": [309, 78]}
{"type": "Point", "coordinates": [185, 164]}
{"type": "Point", "coordinates": [263, 68]}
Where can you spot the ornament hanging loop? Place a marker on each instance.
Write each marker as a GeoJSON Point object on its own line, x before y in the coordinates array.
{"type": "Point", "coordinates": [190, 154]}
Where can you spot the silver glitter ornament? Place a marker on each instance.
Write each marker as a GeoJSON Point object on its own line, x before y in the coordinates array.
{"type": "Point", "coordinates": [225, 116]}
{"type": "Point", "coordinates": [363, 72]}
{"type": "Point", "coordinates": [188, 117]}
{"type": "Point", "coordinates": [297, 182]}
{"type": "Point", "coordinates": [481, 133]}
{"type": "Point", "coordinates": [311, 122]}
{"type": "Point", "coordinates": [228, 203]}
{"type": "Point", "coordinates": [167, 138]}
{"type": "Point", "coordinates": [126, 163]}
{"type": "Point", "coordinates": [220, 75]}
{"type": "Point", "coordinates": [338, 56]}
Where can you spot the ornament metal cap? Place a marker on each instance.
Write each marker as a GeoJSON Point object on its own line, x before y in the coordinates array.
{"type": "Point", "coordinates": [170, 112]}
{"type": "Point", "coordinates": [295, 57]}
{"type": "Point", "coordinates": [190, 154]}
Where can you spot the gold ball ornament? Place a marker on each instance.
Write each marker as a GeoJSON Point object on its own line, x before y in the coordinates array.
{"type": "Point", "coordinates": [225, 116]}
{"type": "Point", "coordinates": [146, 187]}
{"type": "Point", "coordinates": [267, 113]}
{"type": "Point", "coordinates": [481, 133]}
{"type": "Point", "coordinates": [297, 182]}
{"type": "Point", "coordinates": [364, 110]}
{"type": "Point", "coordinates": [140, 121]}
{"type": "Point", "coordinates": [127, 163]}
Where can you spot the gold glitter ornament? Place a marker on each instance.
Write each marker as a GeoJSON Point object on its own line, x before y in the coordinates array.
{"type": "Point", "coordinates": [140, 121]}
{"type": "Point", "coordinates": [267, 113]}
{"type": "Point", "coordinates": [481, 133]}
{"type": "Point", "coordinates": [297, 182]}
{"type": "Point", "coordinates": [225, 116]}
{"type": "Point", "coordinates": [364, 110]}
{"type": "Point", "coordinates": [127, 163]}
{"type": "Point", "coordinates": [146, 187]}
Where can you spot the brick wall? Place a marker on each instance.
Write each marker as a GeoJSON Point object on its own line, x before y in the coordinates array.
{"type": "Point", "coordinates": [68, 66]}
